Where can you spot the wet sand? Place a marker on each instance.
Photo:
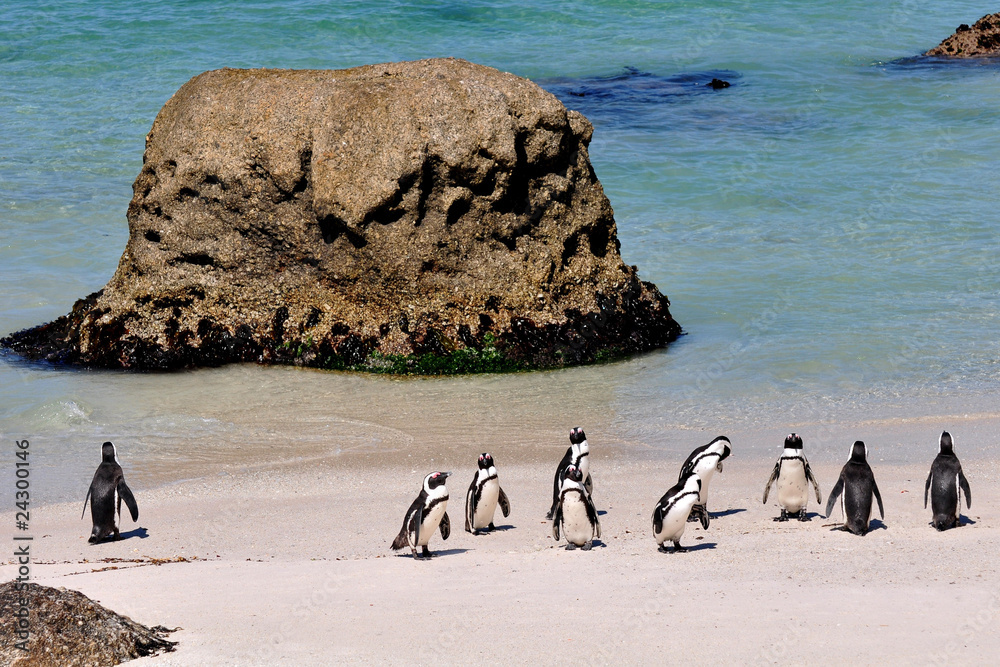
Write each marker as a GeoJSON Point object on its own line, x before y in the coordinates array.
{"type": "Point", "coordinates": [289, 564]}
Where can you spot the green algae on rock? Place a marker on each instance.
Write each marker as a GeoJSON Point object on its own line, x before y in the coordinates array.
{"type": "Point", "coordinates": [435, 216]}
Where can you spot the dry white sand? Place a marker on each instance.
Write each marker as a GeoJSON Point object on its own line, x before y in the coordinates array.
{"type": "Point", "coordinates": [290, 565]}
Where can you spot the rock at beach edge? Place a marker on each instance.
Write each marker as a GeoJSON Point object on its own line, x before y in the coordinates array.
{"type": "Point", "coordinates": [65, 628]}
{"type": "Point", "coordinates": [435, 216]}
{"type": "Point", "coordinates": [980, 40]}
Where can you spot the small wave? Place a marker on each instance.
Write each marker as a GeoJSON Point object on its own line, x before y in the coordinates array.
{"type": "Point", "coordinates": [59, 415]}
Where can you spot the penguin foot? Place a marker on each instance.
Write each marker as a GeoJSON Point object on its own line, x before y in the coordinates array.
{"type": "Point", "coordinates": [570, 547]}
{"type": "Point", "coordinates": [427, 553]}
{"type": "Point", "coordinates": [678, 549]}
{"type": "Point", "coordinates": [548, 515]}
{"type": "Point", "coordinates": [476, 532]}
{"type": "Point", "coordinates": [588, 546]}
{"type": "Point", "coordinates": [783, 517]}
{"type": "Point", "coordinates": [663, 550]}
{"type": "Point", "coordinates": [804, 517]}
{"type": "Point", "coordinates": [117, 536]}
{"type": "Point", "coordinates": [491, 527]}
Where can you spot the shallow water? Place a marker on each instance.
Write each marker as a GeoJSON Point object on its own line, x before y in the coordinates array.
{"type": "Point", "coordinates": [826, 228]}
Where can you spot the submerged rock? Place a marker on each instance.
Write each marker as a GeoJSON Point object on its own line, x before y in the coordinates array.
{"type": "Point", "coordinates": [67, 629]}
{"type": "Point", "coordinates": [430, 216]}
{"type": "Point", "coordinates": [980, 40]}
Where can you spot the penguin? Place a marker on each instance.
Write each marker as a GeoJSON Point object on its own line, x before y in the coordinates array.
{"type": "Point", "coordinates": [575, 513]}
{"type": "Point", "coordinates": [424, 516]}
{"type": "Point", "coordinates": [793, 475]}
{"type": "Point", "coordinates": [578, 456]}
{"type": "Point", "coordinates": [946, 482]}
{"type": "Point", "coordinates": [705, 461]}
{"type": "Point", "coordinates": [106, 493]}
{"type": "Point", "coordinates": [857, 484]}
{"type": "Point", "coordinates": [670, 515]}
{"type": "Point", "coordinates": [482, 497]}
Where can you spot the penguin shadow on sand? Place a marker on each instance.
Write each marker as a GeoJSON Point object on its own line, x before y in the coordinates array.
{"type": "Point", "coordinates": [434, 554]}
{"type": "Point", "coordinates": [140, 533]}
{"type": "Point", "coordinates": [728, 512]}
{"type": "Point", "coordinates": [702, 546]}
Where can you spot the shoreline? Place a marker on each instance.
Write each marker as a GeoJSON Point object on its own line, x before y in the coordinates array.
{"type": "Point", "coordinates": [201, 430]}
{"type": "Point", "coordinates": [292, 565]}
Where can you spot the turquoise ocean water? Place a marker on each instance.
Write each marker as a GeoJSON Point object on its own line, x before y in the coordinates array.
{"type": "Point", "coordinates": [826, 228]}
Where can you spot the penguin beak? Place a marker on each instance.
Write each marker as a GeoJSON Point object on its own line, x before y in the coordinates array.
{"type": "Point", "coordinates": [446, 475]}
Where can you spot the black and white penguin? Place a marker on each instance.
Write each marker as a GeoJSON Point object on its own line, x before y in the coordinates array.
{"type": "Point", "coordinates": [578, 456]}
{"type": "Point", "coordinates": [482, 497]}
{"type": "Point", "coordinates": [705, 461]}
{"type": "Point", "coordinates": [106, 493]}
{"type": "Point", "coordinates": [856, 485]}
{"type": "Point", "coordinates": [946, 482]}
{"type": "Point", "coordinates": [670, 515]}
{"type": "Point", "coordinates": [793, 474]}
{"type": "Point", "coordinates": [424, 516]}
{"type": "Point", "coordinates": [575, 513]}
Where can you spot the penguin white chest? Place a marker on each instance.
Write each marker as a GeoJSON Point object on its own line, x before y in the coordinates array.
{"type": "Point", "coordinates": [575, 523]}
{"type": "Point", "coordinates": [676, 519]}
{"type": "Point", "coordinates": [706, 469]}
{"type": "Point", "coordinates": [432, 519]}
{"type": "Point", "coordinates": [487, 504]}
{"type": "Point", "coordinates": [792, 488]}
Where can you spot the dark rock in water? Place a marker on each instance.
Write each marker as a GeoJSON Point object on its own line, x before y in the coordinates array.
{"type": "Point", "coordinates": [981, 40]}
{"type": "Point", "coordinates": [623, 97]}
{"type": "Point", "coordinates": [434, 216]}
{"type": "Point", "coordinates": [717, 84]}
{"type": "Point", "coordinates": [68, 629]}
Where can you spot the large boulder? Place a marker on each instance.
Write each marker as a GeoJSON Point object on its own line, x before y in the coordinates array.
{"type": "Point", "coordinates": [430, 216]}
{"type": "Point", "coordinates": [980, 40]}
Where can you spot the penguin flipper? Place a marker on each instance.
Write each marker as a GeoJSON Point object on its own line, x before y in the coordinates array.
{"type": "Point", "coordinates": [445, 526]}
{"type": "Point", "coordinates": [418, 518]}
{"type": "Point", "coordinates": [504, 504]}
{"type": "Point", "coordinates": [588, 484]}
{"type": "Point", "coordinates": [878, 497]}
{"type": "Point", "coordinates": [702, 513]}
{"type": "Point", "coordinates": [556, 519]}
{"type": "Point", "coordinates": [592, 515]}
{"type": "Point", "coordinates": [927, 486]}
{"type": "Point", "coordinates": [838, 488]}
{"type": "Point", "coordinates": [966, 489]}
{"type": "Point", "coordinates": [770, 480]}
{"type": "Point", "coordinates": [85, 501]}
{"type": "Point", "coordinates": [469, 509]}
{"type": "Point", "coordinates": [125, 493]}
{"type": "Point", "coordinates": [657, 520]}
{"type": "Point", "coordinates": [812, 478]}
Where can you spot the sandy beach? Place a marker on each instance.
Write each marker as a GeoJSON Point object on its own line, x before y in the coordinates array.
{"type": "Point", "coordinates": [289, 564]}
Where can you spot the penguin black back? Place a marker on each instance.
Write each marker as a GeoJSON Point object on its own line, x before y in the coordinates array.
{"type": "Point", "coordinates": [946, 483]}
{"type": "Point", "coordinates": [106, 493]}
{"type": "Point", "coordinates": [857, 486]}
{"type": "Point", "coordinates": [575, 456]}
